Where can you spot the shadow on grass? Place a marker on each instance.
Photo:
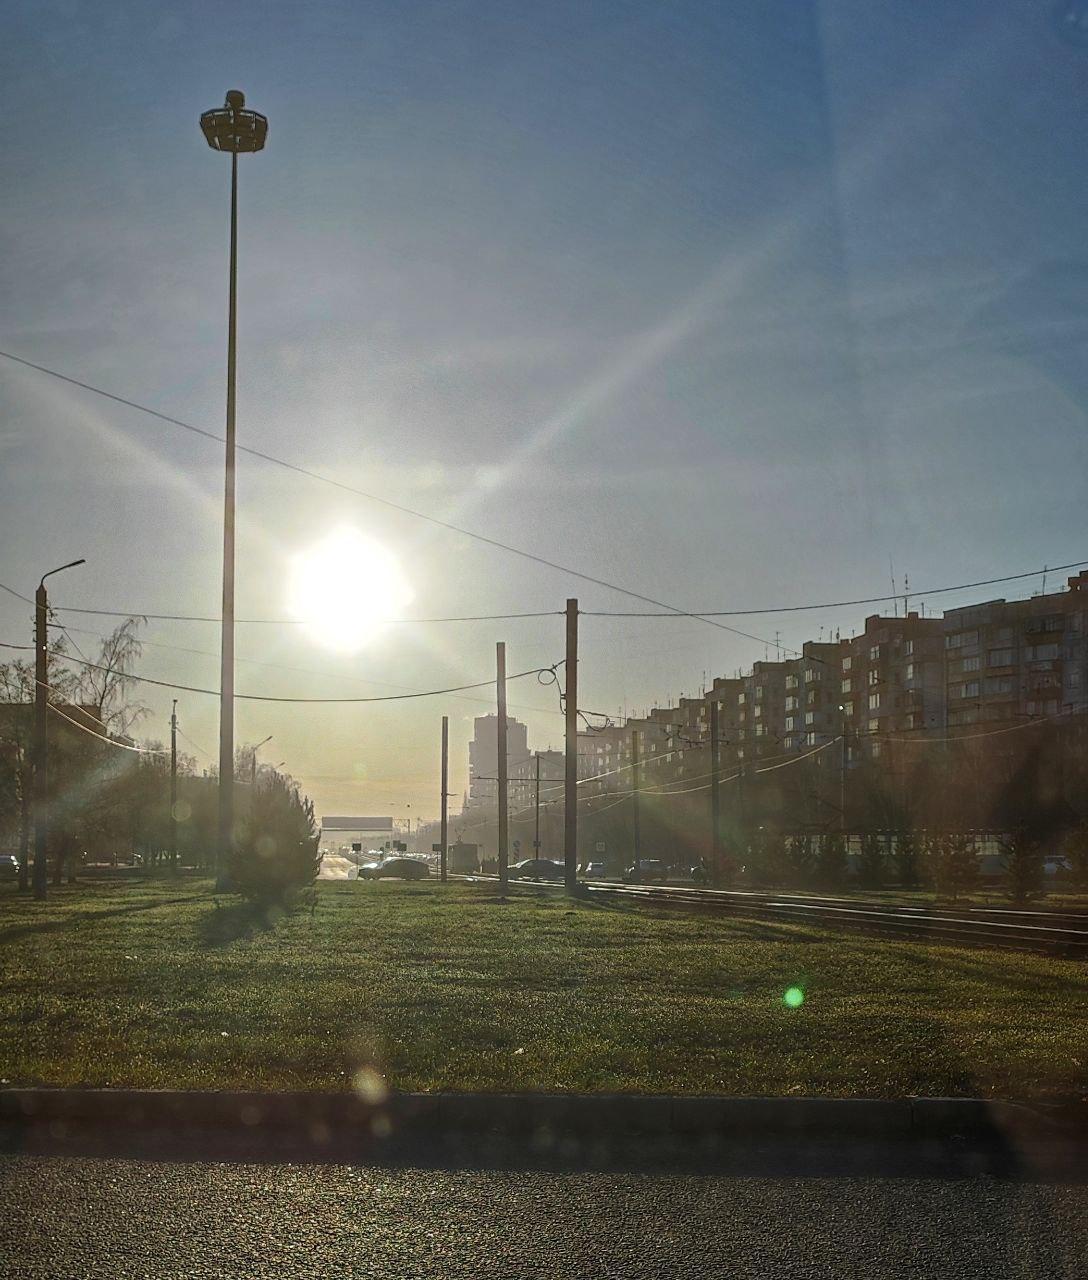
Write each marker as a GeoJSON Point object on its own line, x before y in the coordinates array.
{"type": "Point", "coordinates": [85, 917]}
{"type": "Point", "coordinates": [226, 924]}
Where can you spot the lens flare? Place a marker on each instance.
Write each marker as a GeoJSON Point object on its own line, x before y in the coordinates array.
{"type": "Point", "coordinates": [794, 998]}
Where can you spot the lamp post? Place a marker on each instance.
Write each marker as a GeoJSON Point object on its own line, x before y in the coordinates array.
{"type": "Point", "coordinates": [253, 761]}
{"type": "Point", "coordinates": [233, 129]}
{"type": "Point", "coordinates": [41, 730]}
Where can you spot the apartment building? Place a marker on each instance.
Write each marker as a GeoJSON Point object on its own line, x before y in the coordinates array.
{"type": "Point", "coordinates": [1017, 660]}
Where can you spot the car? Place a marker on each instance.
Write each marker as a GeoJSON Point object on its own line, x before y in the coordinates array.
{"type": "Point", "coordinates": [646, 871]}
{"type": "Point", "coordinates": [1057, 866]}
{"type": "Point", "coordinates": [368, 871]}
{"type": "Point", "coordinates": [403, 869]}
{"type": "Point", "coordinates": [9, 866]}
{"type": "Point", "coordinates": [536, 869]}
{"type": "Point", "coordinates": [595, 870]}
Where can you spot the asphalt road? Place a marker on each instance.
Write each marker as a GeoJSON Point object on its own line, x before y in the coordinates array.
{"type": "Point", "coordinates": [162, 1212]}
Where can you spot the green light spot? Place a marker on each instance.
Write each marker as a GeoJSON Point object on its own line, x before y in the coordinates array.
{"type": "Point", "coordinates": [794, 998]}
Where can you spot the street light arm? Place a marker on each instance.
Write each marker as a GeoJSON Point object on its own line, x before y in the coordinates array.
{"type": "Point", "coordinates": [70, 565]}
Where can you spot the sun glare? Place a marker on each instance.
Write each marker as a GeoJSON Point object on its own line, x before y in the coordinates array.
{"type": "Point", "coordinates": [344, 586]}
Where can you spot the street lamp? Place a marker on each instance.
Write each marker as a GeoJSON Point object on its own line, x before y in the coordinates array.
{"type": "Point", "coordinates": [253, 760]}
{"type": "Point", "coordinates": [41, 734]}
{"type": "Point", "coordinates": [234, 129]}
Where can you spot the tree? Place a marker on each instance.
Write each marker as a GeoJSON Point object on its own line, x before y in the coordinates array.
{"type": "Point", "coordinates": [106, 685]}
{"type": "Point", "coordinates": [951, 864]}
{"type": "Point", "coordinates": [1076, 850]}
{"type": "Point", "coordinates": [775, 861]}
{"type": "Point", "coordinates": [800, 860]}
{"type": "Point", "coordinates": [831, 863]}
{"type": "Point", "coordinates": [1023, 865]}
{"type": "Point", "coordinates": [906, 859]}
{"type": "Point", "coordinates": [275, 853]}
{"type": "Point", "coordinates": [871, 861]}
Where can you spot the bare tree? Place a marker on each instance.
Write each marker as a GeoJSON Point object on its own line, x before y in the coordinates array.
{"type": "Point", "coordinates": [107, 683]}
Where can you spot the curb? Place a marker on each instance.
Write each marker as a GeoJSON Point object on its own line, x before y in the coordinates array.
{"type": "Point", "coordinates": [418, 1114]}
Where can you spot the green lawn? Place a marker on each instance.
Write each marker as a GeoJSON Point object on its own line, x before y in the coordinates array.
{"type": "Point", "coordinates": [441, 988]}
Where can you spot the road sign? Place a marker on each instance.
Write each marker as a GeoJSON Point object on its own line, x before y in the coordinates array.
{"type": "Point", "coordinates": [600, 846]}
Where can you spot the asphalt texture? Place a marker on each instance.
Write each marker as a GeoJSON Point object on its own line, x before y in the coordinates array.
{"type": "Point", "coordinates": [157, 1206]}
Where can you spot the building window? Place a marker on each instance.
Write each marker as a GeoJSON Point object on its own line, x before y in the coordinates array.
{"type": "Point", "coordinates": [969, 690]}
{"type": "Point", "coordinates": [874, 702]}
{"type": "Point", "coordinates": [970, 664]}
{"type": "Point", "coordinates": [847, 663]}
{"type": "Point", "coordinates": [791, 682]}
{"type": "Point", "coordinates": [812, 697]}
{"type": "Point", "coordinates": [1000, 684]}
{"type": "Point", "coordinates": [792, 703]}
{"type": "Point", "coordinates": [874, 677]}
{"type": "Point", "coordinates": [1001, 657]}
{"type": "Point", "coordinates": [740, 699]}
{"type": "Point", "coordinates": [810, 717]}
{"type": "Point", "coordinates": [847, 686]}
{"type": "Point", "coordinates": [848, 709]}
{"type": "Point", "coordinates": [810, 738]}
{"type": "Point", "coordinates": [1072, 679]}
{"type": "Point", "coordinates": [961, 640]}
{"type": "Point", "coordinates": [811, 674]}
{"type": "Point", "coordinates": [874, 726]}
{"type": "Point", "coordinates": [908, 648]}
{"type": "Point", "coordinates": [874, 653]}
{"type": "Point", "coordinates": [1041, 652]}
{"type": "Point", "coordinates": [759, 731]}
{"type": "Point", "coordinates": [758, 713]}
{"type": "Point", "coordinates": [910, 671]}
{"type": "Point", "coordinates": [791, 722]}
{"type": "Point", "coordinates": [759, 693]}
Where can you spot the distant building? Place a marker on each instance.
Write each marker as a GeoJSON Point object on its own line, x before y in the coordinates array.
{"type": "Point", "coordinates": [483, 758]}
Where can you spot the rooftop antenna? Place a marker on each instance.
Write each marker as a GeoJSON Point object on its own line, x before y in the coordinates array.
{"type": "Point", "coordinates": [895, 603]}
{"type": "Point", "coordinates": [778, 647]}
{"type": "Point", "coordinates": [906, 592]}
{"type": "Point", "coordinates": [1043, 592]}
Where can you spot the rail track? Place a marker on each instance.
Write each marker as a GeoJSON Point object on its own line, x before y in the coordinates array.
{"type": "Point", "coordinates": [1043, 931]}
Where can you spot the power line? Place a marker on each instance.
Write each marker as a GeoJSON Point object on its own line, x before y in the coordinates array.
{"type": "Point", "coordinates": [260, 697]}
{"type": "Point", "coordinates": [388, 502]}
{"type": "Point", "coordinates": [103, 737]}
{"type": "Point", "coordinates": [841, 604]}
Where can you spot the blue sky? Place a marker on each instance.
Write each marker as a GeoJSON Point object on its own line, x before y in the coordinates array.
{"type": "Point", "coordinates": [729, 303]}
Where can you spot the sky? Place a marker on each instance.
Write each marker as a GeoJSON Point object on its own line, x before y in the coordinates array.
{"type": "Point", "coordinates": [736, 305]}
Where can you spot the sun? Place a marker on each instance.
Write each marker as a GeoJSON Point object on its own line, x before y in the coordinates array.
{"type": "Point", "coordinates": [344, 586]}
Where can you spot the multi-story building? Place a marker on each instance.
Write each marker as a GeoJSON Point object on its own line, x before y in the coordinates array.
{"type": "Point", "coordinates": [483, 758]}
{"type": "Point", "coordinates": [892, 678]}
{"type": "Point", "coordinates": [1017, 660]}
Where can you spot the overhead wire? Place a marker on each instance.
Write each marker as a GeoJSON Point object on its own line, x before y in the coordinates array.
{"type": "Point", "coordinates": [388, 502]}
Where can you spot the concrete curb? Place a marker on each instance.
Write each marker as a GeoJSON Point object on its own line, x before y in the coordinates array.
{"type": "Point", "coordinates": [323, 1114]}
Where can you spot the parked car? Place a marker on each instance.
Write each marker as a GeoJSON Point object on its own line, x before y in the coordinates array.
{"type": "Point", "coordinates": [368, 871]}
{"type": "Point", "coordinates": [594, 870]}
{"type": "Point", "coordinates": [647, 871]}
{"type": "Point", "coordinates": [1057, 866]}
{"type": "Point", "coordinates": [536, 869]}
{"type": "Point", "coordinates": [9, 866]}
{"type": "Point", "coordinates": [403, 869]}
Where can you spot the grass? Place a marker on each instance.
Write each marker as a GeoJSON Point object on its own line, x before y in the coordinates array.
{"type": "Point", "coordinates": [441, 988]}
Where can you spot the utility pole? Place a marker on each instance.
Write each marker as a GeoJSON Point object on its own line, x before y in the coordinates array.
{"type": "Point", "coordinates": [715, 798]}
{"type": "Point", "coordinates": [41, 731]}
{"type": "Point", "coordinates": [500, 739]}
{"type": "Point", "coordinates": [536, 835]}
{"type": "Point", "coordinates": [174, 785]}
{"type": "Point", "coordinates": [636, 829]}
{"type": "Point", "coordinates": [570, 799]}
{"type": "Point", "coordinates": [443, 834]}
{"type": "Point", "coordinates": [842, 772]}
{"type": "Point", "coordinates": [41, 741]}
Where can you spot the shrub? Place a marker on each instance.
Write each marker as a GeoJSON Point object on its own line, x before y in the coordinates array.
{"type": "Point", "coordinates": [275, 852]}
{"type": "Point", "coordinates": [1076, 850]}
{"type": "Point", "coordinates": [906, 859]}
{"type": "Point", "coordinates": [831, 864]}
{"type": "Point", "coordinates": [800, 861]}
{"type": "Point", "coordinates": [871, 861]}
{"type": "Point", "coordinates": [1023, 865]}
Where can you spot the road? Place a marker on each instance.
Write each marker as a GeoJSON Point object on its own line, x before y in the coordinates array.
{"type": "Point", "coordinates": [172, 1211]}
{"type": "Point", "coordinates": [334, 867]}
